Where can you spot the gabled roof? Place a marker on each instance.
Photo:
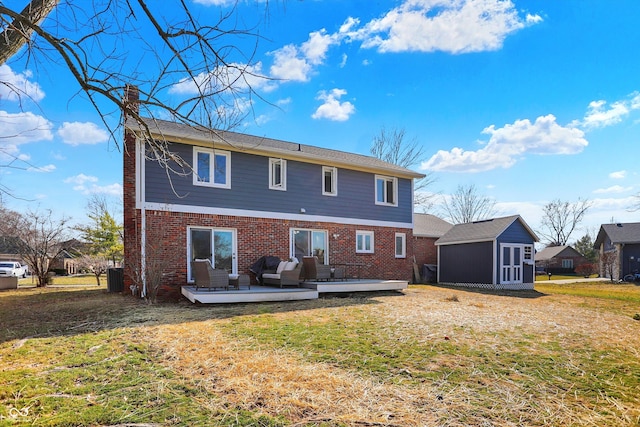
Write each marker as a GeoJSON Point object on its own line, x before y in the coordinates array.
{"type": "Point", "coordinates": [10, 245]}
{"type": "Point", "coordinates": [619, 233]}
{"type": "Point", "coordinates": [182, 133]}
{"type": "Point", "coordinates": [482, 231]}
{"type": "Point", "coordinates": [556, 251]}
{"type": "Point", "coordinates": [427, 225]}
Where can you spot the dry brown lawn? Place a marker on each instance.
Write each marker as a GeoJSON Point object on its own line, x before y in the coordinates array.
{"type": "Point", "coordinates": [257, 376]}
{"type": "Point", "coordinates": [431, 356]}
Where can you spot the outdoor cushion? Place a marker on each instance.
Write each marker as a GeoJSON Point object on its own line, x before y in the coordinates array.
{"type": "Point", "coordinates": [281, 266]}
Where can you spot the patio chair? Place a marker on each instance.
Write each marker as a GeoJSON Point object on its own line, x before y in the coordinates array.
{"type": "Point", "coordinates": [208, 277]}
{"type": "Point", "coordinates": [313, 270]}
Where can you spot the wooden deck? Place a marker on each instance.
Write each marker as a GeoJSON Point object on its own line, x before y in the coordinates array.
{"type": "Point", "coordinates": [306, 291]}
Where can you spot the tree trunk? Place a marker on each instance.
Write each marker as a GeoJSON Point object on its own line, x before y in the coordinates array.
{"type": "Point", "coordinates": [19, 31]}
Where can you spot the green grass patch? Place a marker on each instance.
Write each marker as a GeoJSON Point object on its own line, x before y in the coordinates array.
{"type": "Point", "coordinates": [627, 292]}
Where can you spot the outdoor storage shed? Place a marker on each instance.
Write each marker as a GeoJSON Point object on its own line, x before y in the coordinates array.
{"type": "Point", "coordinates": [495, 253]}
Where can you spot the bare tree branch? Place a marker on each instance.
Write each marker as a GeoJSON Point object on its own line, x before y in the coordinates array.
{"type": "Point", "coordinates": [108, 46]}
{"type": "Point", "coordinates": [392, 147]}
{"type": "Point", "coordinates": [467, 205]}
{"type": "Point", "coordinates": [560, 219]}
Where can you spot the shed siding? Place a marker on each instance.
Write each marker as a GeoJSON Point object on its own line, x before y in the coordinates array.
{"type": "Point", "coordinates": [249, 190]}
{"type": "Point", "coordinates": [466, 263]}
{"type": "Point", "coordinates": [516, 233]}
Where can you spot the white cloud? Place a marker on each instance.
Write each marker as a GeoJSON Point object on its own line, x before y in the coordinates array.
{"type": "Point", "coordinates": [288, 65]}
{"type": "Point", "coordinates": [82, 133]}
{"type": "Point", "coordinates": [80, 179]}
{"type": "Point", "coordinates": [614, 189]}
{"type": "Point", "coordinates": [22, 128]}
{"type": "Point", "coordinates": [599, 116]}
{"type": "Point", "coordinates": [44, 169]}
{"type": "Point", "coordinates": [315, 49]}
{"type": "Point", "coordinates": [601, 113]}
{"type": "Point", "coordinates": [294, 63]}
{"type": "Point", "coordinates": [618, 174]}
{"type": "Point", "coordinates": [235, 76]}
{"type": "Point", "coordinates": [443, 25]}
{"type": "Point", "coordinates": [507, 144]}
{"type": "Point", "coordinates": [332, 108]}
{"type": "Point", "coordinates": [86, 184]}
{"type": "Point", "coordinates": [16, 86]}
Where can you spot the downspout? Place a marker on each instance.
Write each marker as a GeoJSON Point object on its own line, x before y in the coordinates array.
{"type": "Point", "coordinates": [143, 221]}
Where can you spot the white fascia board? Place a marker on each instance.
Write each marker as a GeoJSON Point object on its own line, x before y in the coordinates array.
{"type": "Point", "coordinates": [271, 215]}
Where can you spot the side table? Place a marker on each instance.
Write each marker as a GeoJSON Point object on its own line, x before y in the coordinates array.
{"type": "Point", "coordinates": [237, 280]}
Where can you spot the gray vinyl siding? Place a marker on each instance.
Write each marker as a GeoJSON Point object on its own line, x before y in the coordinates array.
{"type": "Point", "coordinates": [466, 263]}
{"type": "Point", "coordinates": [250, 190]}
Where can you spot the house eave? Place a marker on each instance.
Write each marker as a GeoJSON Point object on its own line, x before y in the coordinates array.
{"type": "Point", "coordinates": [204, 138]}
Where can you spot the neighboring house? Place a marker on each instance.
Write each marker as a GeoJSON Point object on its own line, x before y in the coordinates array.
{"type": "Point", "coordinates": [239, 197]}
{"type": "Point", "coordinates": [620, 244]}
{"type": "Point", "coordinates": [495, 253]}
{"type": "Point", "coordinates": [66, 259]}
{"type": "Point", "coordinates": [10, 249]}
{"type": "Point", "coordinates": [559, 259]}
{"type": "Point", "coordinates": [427, 229]}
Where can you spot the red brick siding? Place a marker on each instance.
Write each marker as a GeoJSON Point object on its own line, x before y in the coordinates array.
{"type": "Point", "coordinates": [167, 237]}
{"type": "Point", "coordinates": [424, 248]}
{"type": "Point", "coordinates": [260, 236]}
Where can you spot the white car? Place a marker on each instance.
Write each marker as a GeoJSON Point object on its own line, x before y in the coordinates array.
{"type": "Point", "coordinates": [12, 269]}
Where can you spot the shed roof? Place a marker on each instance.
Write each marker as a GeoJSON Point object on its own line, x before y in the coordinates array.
{"type": "Point", "coordinates": [233, 141]}
{"type": "Point", "coordinates": [427, 225]}
{"type": "Point", "coordinates": [482, 231]}
{"type": "Point", "coordinates": [619, 233]}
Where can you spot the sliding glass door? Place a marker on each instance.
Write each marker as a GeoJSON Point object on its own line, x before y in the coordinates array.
{"type": "Point", "coordinates": [309, 243]}
{"type": "Point", "coordinates": [214, 244]}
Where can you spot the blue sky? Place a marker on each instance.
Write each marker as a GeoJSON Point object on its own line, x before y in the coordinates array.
{"type": "Point", "coordinates": [529, 101]}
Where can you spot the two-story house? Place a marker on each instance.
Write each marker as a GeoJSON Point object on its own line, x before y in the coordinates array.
{"type": "Point", "coordinates": [237, 197]}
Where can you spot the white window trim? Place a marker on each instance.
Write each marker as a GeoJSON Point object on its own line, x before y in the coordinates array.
{"type": "Point", "coordinates": [283, 175]}
{"type": "Point", "coordinates": [404, 245]}
{"type": "Point", "coordinates": [212, 154]}
{"type": "Point", "coordinates": [334, 180]}
{"type": "Point", "coordinates": [364, 250]}
{"type": "Point", "coordinates": [527, 254]}
{"type": "Point", "coordinates": [395, 189]}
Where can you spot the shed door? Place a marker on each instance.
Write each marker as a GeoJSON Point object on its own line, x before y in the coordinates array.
{"type": "Point", "coordinates": [511, 264]}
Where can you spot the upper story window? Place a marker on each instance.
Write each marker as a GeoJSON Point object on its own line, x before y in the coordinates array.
{"type": "Point", "coordinates": [212, 167]}
{"type": "Point", "coordinates": [329, 181]}
{"type": "Point", "coordinates": [364, 242]}
{"type": "Point", "coordinates": [386, 190]}
{"type": "Point", "coordinates": [277, 174]}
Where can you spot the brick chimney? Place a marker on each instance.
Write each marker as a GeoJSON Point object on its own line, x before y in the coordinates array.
{"type": "Point", "coordinates": [131, 215]}
{"type": "Point", "coordinates": [131, 98]}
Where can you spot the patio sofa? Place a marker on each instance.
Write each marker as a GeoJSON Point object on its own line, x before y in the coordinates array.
{"type": "Point", "coordinates": [287, 274]}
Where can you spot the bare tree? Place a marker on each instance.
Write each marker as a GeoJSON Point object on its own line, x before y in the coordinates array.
{"type": "Point", "coordinates": [96, 264]}
{"type": "Point", "coordinates": [102, 44]}
{"type": "Point", "coordinates": [468, 205]}
{"type": "Point", "coordinates": [39, 239]}
{"type": "Point", "coordinates": [148, 272]}
{"type": "Point", "coordinates": [635, 206]}
{"type": "Point", "coordinates": [609, 263]}
{"type": "Point", "coordinates": [560, 219]}
{"type": "Point", "coordinates": [392, 147]}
